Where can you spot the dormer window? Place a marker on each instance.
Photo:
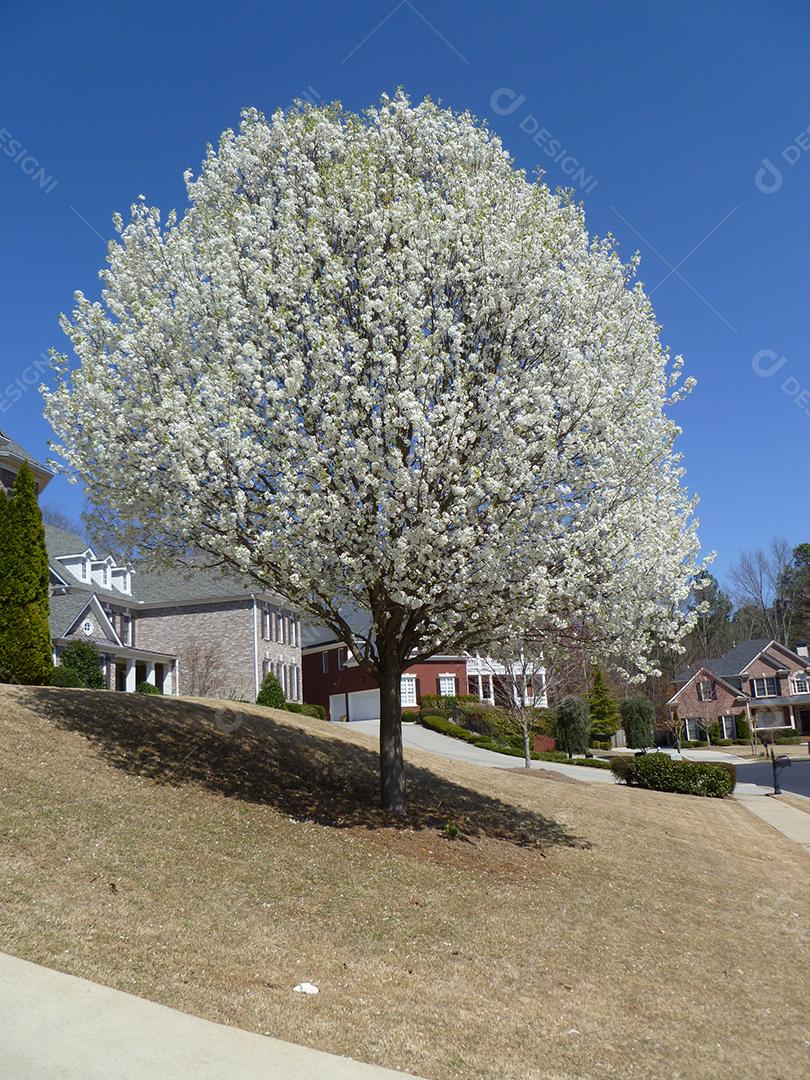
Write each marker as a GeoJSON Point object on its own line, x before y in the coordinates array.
{"type": "Point", "coordinates": [707, 691]}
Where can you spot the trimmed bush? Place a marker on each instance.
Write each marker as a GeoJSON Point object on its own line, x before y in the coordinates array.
{"type": "Point", "coordinates": [83, 660]}
{"type": "Point", "coordinates": [659, 772]}
{"type": "Point", "coordinates": [270, 693]}
{"type": "Point", "coordinates": [743, 729]}
{"type": "Point", "coordinates": [446, 727]}
{"type": "Point", "coordinates": [317, 712]}
{"type": "Point", "coordinates": [620, 767]}
{"type": "Point", "coordinates": [787, 740]}
{"type": "Point", "coordinates": [591, 762]}
{"type": "Point", "coordinates": [147, 688]}
{"type": "Point", "coordinates": [62, 676]}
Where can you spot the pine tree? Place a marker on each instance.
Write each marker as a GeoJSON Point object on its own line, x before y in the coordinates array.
{"type": "Point", "coordinates": [573, 724]}
{"type": "Point", "coordinates": [25, 639]}
{"type": "Point", "coordinates": [605, 716]}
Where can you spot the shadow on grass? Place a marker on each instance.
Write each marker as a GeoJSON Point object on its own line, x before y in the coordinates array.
{"type": "Point", "coordinates": [259, 760]}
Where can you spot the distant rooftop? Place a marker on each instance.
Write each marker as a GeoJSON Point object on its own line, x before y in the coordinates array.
{"type": "Point", "coordinates": [149, 585]}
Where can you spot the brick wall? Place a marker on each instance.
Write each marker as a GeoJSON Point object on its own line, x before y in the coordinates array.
{"type": "Point", "coordinates": [214, 644]}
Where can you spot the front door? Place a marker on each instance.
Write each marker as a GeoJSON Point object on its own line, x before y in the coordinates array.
{"type": "Point", "coordinates": [804, 722]}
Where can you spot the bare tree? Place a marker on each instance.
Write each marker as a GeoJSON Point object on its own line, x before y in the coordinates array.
{"type": "Point", "coordinates": [55, 515]}
{"type": "Point", "coordinates": [203, 668]}
{"type": "Point", "coordinates": [764, 581]}
{"type": "Point", "coordinates": [520, 671]}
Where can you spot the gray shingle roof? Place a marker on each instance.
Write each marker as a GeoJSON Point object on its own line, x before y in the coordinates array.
{"type": "Point", "coordinates": [65, 610]}
{"type": "Point", "coordinates": [151, 585]}
{"type": "Point", "coordinates": [12, 447]}
{"type": "Point", "coordinates": [730, 664]}
{"type": "Point", "coordinates": [315, 633]}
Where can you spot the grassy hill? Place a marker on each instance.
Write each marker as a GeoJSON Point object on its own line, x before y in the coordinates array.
{"type": "Point", "coordinates": [211, 857]}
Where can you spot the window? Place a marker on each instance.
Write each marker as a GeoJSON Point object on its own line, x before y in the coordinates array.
{"type": "Point", "coordinates": [766, 687]}
{"type": "Point", "coordinates": [728, 727]}
{"type": "Point", "coordinates": [265, 668]}
{"type": "Point", "coordinates": [126, 629]}
{"type": "Point", "coordinates": [693, 729]}
{"type": "Point", "coordinates": [407, 689]}
{"type": "Point", "coordinates": [447, 686]}
{"type": "Point", "coordinates": [325, 661]}
{"type": "Point", "coordinates": [707, 691]}
{"type": "Point", "coordinates": [293, 629]}
{"type": "Point", "coordinates": [802, 684]}
{"type": "Point", "coordinates": [342, 657]}
{"type": "Point", "coordinates": [267, 617]}
{"type": "Point", "coordinates": [293, 682]}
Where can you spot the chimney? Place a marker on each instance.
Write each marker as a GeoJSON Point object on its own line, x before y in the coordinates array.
{"type": "Point", "coordinates": [802, 649]}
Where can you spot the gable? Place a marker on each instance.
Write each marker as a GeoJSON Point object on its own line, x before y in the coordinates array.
{"type": "Point", "coordinates": [91, 624]}
{"type": "Point", "coordinates": [724, 691]}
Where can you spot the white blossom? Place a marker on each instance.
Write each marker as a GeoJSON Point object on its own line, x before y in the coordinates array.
{"type": "Point", "coordinates": [372, 363]}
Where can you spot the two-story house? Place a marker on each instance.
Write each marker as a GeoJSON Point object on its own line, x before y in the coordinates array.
{"type": "Point", "coordinates": [198, 631]}
{"type": "Point", "coordinates": [762, 680]}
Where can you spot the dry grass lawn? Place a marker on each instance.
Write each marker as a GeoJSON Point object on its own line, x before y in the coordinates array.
{"type": "Point", "coordinates": [574, 931]}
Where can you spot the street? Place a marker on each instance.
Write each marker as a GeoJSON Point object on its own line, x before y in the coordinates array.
{"type": "Point", "coordinates": [794, 777]}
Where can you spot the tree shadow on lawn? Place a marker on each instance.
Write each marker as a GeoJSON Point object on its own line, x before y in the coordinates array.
{"type": "Point", "coordinates": [259, 760]}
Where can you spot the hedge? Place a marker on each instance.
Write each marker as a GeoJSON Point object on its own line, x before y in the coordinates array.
{"type": "Point", "coordinates": [147, 688]}
{"type": "Point", "coordinates": [65, 676]}
{"type": "Point", "coordinates": [303, 709]}
{"type": "Point", "coordinates": [659, 772]}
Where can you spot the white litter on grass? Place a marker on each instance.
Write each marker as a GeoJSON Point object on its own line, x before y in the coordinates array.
{"type": "Point", "coordinates": [572, 1031]}
{"type": "Point", "coordinates": [306, 988]}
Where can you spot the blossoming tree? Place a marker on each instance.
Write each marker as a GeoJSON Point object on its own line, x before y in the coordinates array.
{"type": "Point", "coordinates": [373, 365]}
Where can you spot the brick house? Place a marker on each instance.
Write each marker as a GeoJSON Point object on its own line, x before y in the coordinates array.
{"type": "Point", "coordinates": [333, 679]}
{"type": "Point", "coordinates": [197, 632]}
{"type": "Point", "coordinates": [762, 680]}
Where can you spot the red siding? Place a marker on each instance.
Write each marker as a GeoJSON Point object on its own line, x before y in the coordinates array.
{"type": "Point", "coordinates": [318, 684]}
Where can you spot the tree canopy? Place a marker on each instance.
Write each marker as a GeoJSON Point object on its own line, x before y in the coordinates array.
{"type": "Point", "coordinates": [372, 365]}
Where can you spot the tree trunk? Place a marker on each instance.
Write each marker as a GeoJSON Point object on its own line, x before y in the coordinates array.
{"type": "Point", "coordinates": [392, 767]}
{"type": "Point", "coordinates": [527, 750]}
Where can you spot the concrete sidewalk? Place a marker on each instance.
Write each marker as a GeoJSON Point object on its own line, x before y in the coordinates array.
{"type": "Point", "coordinates": [786, 819]}
{"type": "Point", "coordinates": [58, 1027]}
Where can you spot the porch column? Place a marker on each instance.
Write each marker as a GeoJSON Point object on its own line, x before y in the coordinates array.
{"type": "Point", "coordinates": [491, 689]}
{"type": "Point", "coordinates": [792, 717]}
{"type": "Point", "coordinates": [167, 679]}
{"type": "Point", "coordinates": [150, 672]}
{"type": "Point", "coordinates": [480, 687]}
{"type": "Point", "coordinates": [129, 685]}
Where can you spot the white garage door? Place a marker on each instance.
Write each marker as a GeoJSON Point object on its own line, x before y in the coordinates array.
{"type": "Point", "coordinates": [364, 705]}
{"type": "Point", "coordinates": [337, 707]}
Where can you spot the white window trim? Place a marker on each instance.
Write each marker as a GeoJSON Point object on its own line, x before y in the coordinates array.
{"type": "Point", "coordinates": [405, 697]}
{"type": "Point", "coordinates": [452, 677]}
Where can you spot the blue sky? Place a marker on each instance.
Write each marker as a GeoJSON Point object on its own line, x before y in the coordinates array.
{"type": "Point", "coordinates": [660, 116]}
